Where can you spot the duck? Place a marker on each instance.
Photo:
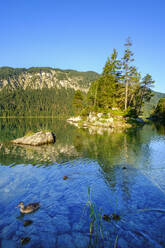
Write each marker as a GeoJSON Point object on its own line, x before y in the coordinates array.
{"type": "Point", "coordinates": [28, 208]}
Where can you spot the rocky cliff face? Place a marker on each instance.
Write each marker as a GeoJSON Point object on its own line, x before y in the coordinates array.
{"type": "Point", "coordinates": [40, 78]}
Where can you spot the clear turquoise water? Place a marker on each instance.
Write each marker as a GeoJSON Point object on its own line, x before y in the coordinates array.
{"type": "Point", "coordinates": [30, 174]}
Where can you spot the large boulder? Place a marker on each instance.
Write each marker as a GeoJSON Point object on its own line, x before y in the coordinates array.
{"type": "Point", "coordinates": [37, 139]}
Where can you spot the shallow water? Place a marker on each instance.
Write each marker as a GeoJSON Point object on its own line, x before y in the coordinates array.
{"type": "Point", "coordinates": [125, 173]}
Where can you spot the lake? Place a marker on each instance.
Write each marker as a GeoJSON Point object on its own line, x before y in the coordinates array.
{"type": "Point", "coordinates": [83, 176]}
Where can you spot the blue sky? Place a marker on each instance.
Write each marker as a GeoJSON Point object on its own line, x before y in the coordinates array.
{"type": "Point", "coordinates": [81, 34]}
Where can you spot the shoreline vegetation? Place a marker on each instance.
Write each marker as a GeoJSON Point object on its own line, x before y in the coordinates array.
{"type": "Point", "coordinates": [159, 113]}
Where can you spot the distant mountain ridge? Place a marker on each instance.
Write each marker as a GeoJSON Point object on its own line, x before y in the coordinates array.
{"type": "Point", "coordinates": [45, 77]}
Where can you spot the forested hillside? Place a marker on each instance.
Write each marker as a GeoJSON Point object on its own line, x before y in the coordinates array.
{"type": "Point", "coordinates": [159, 112]}
{"type": "Point", "coordinates": [40, 91]}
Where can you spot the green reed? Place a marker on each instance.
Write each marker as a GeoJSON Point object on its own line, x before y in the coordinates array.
{"type": "Point", "coordinates": [96, 228]}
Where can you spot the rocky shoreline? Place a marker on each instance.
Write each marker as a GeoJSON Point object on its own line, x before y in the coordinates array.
{"type": "Point", "coordinates": [99, 120]}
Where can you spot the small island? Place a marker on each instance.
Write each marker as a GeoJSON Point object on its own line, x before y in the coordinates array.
{"type": "Point", "coordinates": [115, 100]}
{"type": "Point", "coordinates": [110, 121]}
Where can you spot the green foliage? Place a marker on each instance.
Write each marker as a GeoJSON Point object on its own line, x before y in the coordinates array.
{"type": "Point", "coordinates": [78, 101]}
{"type": "Point", "coordinates": [96, 227]}
{"type": "Point", "coordinates": [85, 112]}
{"type": "Point", "coordinates": [131, 112]}
{"type": "Point", "coordinates": [61, 76]}
{"type": "Point", "coordinates": [120, 86]}
{"type": "Point", "coordinates": [143, 93]}
{"type": "Point", "coordinates": [104, 92]}
{"type": "Point", "coordinates": [160, 109]}
{"type": "Point", "coordinates": [38, 69]}
{"type": "Point", "coordinates": [98, 233]}
{"type": "Point", "coordinates": [45, 102]}
{"type": "Point", "coordinates": [118, 112]}
{"type": "Point", "coordinates": [29, 133]}
{"type": "Point", "coordinates": [130, 77]}
{"type": "Point", "coordinates": [7, 72]}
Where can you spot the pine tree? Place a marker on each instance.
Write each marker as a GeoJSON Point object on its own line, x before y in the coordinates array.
{"type": "Point", "coordinates": [78, 101]}
{"type": "Point", "coordinates": [127, 59]}
{"type": "Point", "coordinates": [104, 91]}
{"type": "Point", "coordinates": [145, 92]}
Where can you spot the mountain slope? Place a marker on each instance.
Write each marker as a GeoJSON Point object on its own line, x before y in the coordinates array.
{"type": "Point", "coordinates": [40, 91]}
{"type": "Point", "coordinates": [45, 77]}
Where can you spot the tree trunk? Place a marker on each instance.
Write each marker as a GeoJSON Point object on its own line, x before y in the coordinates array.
{"type": "Point", "coordinates": [126, 89]}
{"type": "Point", "coordinates": [95, 95]}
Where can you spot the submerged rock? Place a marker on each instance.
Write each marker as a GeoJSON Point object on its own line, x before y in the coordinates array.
{"type": "Point", "coordinates": [25, 240]}
{"type": "Point", "coordinates": [28, 222]}
{"type": "Point", "coordinates": [115, 217]}
{"type": "Point", "coordinates": [37, 139]}
{"type": "Point", "coordinates": [65, 177]}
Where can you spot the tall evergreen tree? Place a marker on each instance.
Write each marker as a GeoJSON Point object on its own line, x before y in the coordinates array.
{"type": "Point", "coordinates": [104, 91]}
{"type": "Point", "coordinates": [78, 101]}
{"type": "Point", "coordinates": [127, 59]}
{"type": "Point", "coordinates": [145, 92]}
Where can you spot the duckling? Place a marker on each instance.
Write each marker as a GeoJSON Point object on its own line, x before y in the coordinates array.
{"type": "Point", "coordinates": [28, 208]}
{"type": "Point", "coordinates": [106, 217]}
